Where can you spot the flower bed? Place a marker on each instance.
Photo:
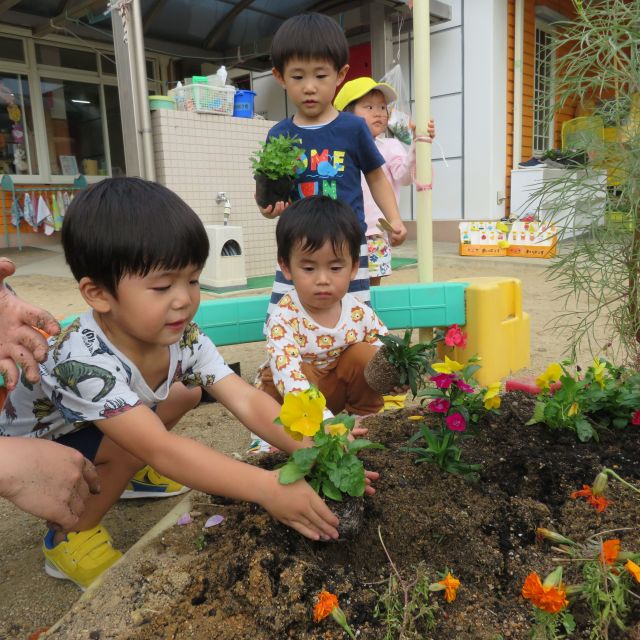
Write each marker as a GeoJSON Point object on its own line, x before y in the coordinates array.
{"type": "Point", "coordinates": [251, 578]}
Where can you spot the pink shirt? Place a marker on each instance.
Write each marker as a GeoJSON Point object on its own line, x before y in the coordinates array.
{"type": "Point", "coordinates": [399, 167]}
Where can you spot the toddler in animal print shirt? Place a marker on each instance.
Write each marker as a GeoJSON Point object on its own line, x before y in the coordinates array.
{"type": "Point", "coordinates": [319, 334]}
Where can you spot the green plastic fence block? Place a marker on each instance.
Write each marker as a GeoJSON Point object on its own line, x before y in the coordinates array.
{"type": "Point", "coordinates": [233, 320]}
{"type": "Point", "coordinates": [435, 304]}
{"type": "Point", "coordinates": [238, 320]}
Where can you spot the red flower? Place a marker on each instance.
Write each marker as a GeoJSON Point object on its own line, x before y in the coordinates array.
{"type": "Point", "coordinates": [456, 422]}
{"type": "Point", "coordinates": [439, 405]}
{"type": "Point", "coordinates": [635, 418]}
{"type": "Point", "coordinates": [463, 386]}
{"type": "Point", "coordinates": [455, 337]}
{"type": "Point", "coordinates": [443, 380]}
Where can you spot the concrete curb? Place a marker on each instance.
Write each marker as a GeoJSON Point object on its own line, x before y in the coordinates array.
{"type": "Point", "coordinates": [160, 527]}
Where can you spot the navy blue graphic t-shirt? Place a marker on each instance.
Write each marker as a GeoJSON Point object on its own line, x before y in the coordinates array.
{"type": "Point", "coordinates": [334, 156]}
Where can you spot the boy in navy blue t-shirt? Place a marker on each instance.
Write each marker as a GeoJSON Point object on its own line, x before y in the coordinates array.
{"type": "Point", "coordinates": [309, 54]}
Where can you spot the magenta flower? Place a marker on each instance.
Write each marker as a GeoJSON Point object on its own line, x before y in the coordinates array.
{"type": "Point", "coordinates": [439, 405]}
{"type": "Point", "coordinates": [455, 337]}
{"type": "Point", "coordinates": [456, 422]}
{"type": "Point", "coordinates": [443, 380]}
{"type": "Point", "coordinates": [463, 386]}
{"type": "Point", "coordinates": [635, 418]}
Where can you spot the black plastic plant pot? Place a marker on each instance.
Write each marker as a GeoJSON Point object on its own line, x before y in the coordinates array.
{"type": "Point", "coordinates": [269, 191]}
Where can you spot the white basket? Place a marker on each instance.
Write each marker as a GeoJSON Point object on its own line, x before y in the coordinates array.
{"type": "Point", "coordinates": [204, 98]}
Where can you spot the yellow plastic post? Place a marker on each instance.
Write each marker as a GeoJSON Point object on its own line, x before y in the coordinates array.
{"type": "Point", "coordinates": [498, 330]}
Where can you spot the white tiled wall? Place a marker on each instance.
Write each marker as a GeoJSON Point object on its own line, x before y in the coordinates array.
{"type": "Point", "coordinates": [197, 155]}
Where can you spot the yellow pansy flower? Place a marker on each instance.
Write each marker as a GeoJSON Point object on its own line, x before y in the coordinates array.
{"type": "Point", "coordinates": [491, 398]}
{"type": "Point", "coordinates": [599, 369]}
{"type": "Point", "coordinates": [301, 413]}
{"type": "Point", "coordinates": [448, 366]}
{"type": "Point", "coordinates": [573, 409]}
{"type": "Point", "coordinates": [552, 374]}
{"type": "Point", "coordinates": [337, 429]}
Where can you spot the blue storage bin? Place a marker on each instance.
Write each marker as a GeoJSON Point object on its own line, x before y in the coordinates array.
{"type": "Point", "coordinates": [243, 103]}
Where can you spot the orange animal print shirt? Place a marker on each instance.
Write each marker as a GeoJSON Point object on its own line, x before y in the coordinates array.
{"type": "Point", "coordinates": [293, 337]}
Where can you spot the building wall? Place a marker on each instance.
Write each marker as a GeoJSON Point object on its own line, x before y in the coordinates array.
{"type": "Point", "coordinates": [198, 155]}
{"type": "Point", "coordinates": [485, 112]}
{"type": "Point", "coordinates": [446, 107]}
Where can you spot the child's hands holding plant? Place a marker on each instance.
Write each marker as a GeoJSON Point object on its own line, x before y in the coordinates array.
{"type": "Point", "coordinates": [331, 464]}
{"type": "Point", "coordinates": [298, 506]}
{"type": "Point", "coordinates": [272, 211]}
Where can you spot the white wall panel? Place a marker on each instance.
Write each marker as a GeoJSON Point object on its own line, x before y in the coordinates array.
{"type": "Point", "coordinates": [446, 112]}
{"type": "Point", "coordinates": [446, 62]}
{"type": "Point", "coordinates": [446, 195]}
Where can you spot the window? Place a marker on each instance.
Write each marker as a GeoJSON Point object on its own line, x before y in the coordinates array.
{"type": "Point", "coordinates": [73, 123]}
{"type": "Point", "coordinates": [71, 95]}
{"type": "Point", "coordinates": [543, 91]}
{"type": "Point", "coordinates": [11, 49]}
{"type": "Point", "coordinates": [17, 144]}
{"type": "Point", "coordinates": [70, 58]}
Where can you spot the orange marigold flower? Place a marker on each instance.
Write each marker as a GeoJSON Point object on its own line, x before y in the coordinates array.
{"type": "Point", "coordinates": [585, 492]}
{"type": "Point", "coordinates": [633, 569]}
{"type": "Point", "coordinates": [327, 602]}
{"type": "Point", "coordinates": [551, 599]}
{"type": "Point", "coordinates": [599, 503]}
{"type": "Point", "coordinates": [610, 550]}
{"type": "Point", "coordinates": [451, 586]}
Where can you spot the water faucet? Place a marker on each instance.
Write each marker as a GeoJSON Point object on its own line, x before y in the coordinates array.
{"type": "Point", "coordinates": [220, 199]}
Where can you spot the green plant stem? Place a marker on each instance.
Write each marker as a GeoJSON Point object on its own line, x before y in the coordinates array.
{"type": "Point", "coordinates": [403, 585]}
{"type": "Point", "coordinates": [613, 474]}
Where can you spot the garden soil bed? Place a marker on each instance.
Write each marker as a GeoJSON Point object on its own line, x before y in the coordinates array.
{"type": "Point", "coordinates": [252, 578]}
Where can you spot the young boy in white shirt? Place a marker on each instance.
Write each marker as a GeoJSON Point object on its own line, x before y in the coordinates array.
{"type": "Point", "coordinates": [117, 379]}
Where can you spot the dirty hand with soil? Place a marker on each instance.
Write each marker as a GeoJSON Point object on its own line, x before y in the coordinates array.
{"type": "Point", "coordinates": [20, 343]}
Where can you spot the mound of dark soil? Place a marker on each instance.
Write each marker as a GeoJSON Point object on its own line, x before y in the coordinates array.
{"type": "Point", "coordinates": [255, 579]}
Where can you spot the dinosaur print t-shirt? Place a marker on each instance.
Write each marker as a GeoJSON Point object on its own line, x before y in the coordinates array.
{"type": "Point", "coordinates": [86, 379]}
{"type": "Point", "coordinates": [333, 158]}
{"type": "Point", "coordinates": [294, 337]}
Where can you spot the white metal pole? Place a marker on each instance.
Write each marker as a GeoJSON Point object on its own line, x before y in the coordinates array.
{"type": "Point", "coordinates": [421, 58]}
{"type": "Point", "coordinates": [143, 101]}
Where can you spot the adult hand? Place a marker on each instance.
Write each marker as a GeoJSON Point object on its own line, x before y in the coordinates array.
{"type": "Point", "coordinates": [46, 479]}
{"type": "Point", "coordinates": [20, 343]}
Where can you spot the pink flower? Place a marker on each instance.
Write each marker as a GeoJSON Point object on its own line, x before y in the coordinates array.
{"type": "Point", "coordinates": [443, 380]}
{"type": "Point", "coordinates": [455, 337]}
{"type": "Point", "coordinates": [439, 405]}
{"type": "Point", "coordinates": [635, 418]}
{"type": "Point", "coordinates": [456, 422]}
{"type": "Point", "coordinates": [463, 386]}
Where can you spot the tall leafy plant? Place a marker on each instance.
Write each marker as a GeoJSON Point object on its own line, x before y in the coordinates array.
{"type": "Point", "coordinates": [598, 66]}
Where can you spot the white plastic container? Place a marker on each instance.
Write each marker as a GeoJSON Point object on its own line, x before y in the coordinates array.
{"type": "Point", "coordinates": [225, 268]}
